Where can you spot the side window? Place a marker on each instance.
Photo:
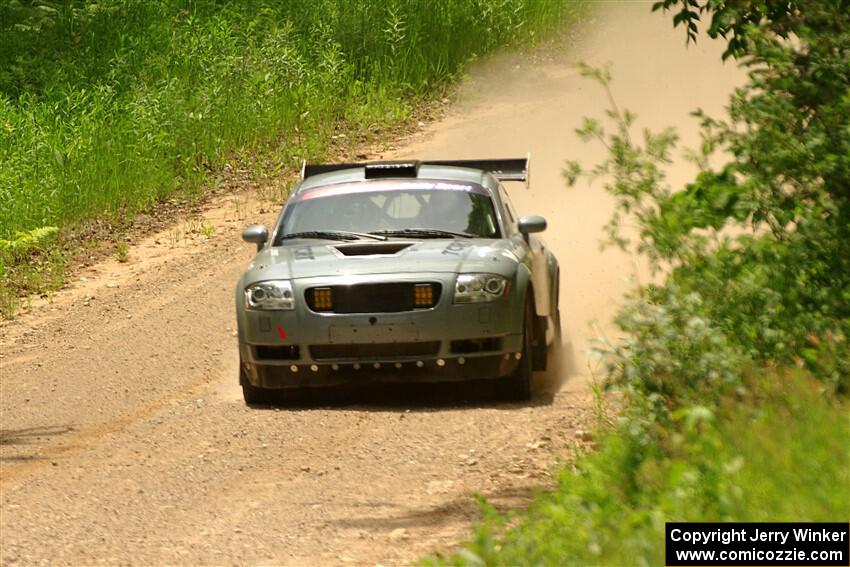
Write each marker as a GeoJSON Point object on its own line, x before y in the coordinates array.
{"type": "Point", "coordinates": [507, 207]}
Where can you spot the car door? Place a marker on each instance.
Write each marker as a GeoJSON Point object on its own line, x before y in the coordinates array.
{"type": "Point", "coordinates": [537, 253]}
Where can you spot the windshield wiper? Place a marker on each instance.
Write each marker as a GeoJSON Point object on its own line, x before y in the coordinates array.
{"type": "Point", "coordinates": [423, 233]}
{"type": "Point", "coordinates": [332, 235]}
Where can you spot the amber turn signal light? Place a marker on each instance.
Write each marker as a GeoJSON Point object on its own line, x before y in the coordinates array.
{"type": "Point", "coordinates": [423, 295]}
{"type": "Point", "coordinates": [323, 299]}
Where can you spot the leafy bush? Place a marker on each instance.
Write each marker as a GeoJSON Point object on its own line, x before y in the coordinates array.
{"type": "Point", "coordinates": [28, 262]}
{"type": "Point", "coordinates": [673, 349]}
{"type": "Point", "coordinates": [25, 242]}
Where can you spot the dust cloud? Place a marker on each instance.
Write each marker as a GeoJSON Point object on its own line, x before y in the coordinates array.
{"type": "Point", "coordinates": [522, 103]}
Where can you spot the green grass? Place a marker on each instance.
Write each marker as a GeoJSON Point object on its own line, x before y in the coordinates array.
{"type": "Point", "coordinates": [111, 106]}
{"type": "Point", "coordinates": [107, 108]}
{"type": "Point", "coordinates": [780, 454]}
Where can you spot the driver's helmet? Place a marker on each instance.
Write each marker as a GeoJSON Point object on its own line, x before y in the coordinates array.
{"type": "Point", "coordinates": [355, 212]}
{"type": "Point", "coordinates": [446, 210]}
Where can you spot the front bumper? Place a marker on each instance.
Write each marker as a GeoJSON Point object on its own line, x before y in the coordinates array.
{"type": "Point", "coordinates": [449, 342]}
{"type": "Point", "coordinates": [332, 374]}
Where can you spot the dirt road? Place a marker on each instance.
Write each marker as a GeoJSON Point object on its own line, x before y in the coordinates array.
{"type": "Point", "coordinates": [124, 438]}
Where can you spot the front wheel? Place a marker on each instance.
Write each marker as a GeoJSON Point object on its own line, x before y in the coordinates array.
{"type": "Point", "coordinates": [254, 395]}
{"type": "Point", "coordinates": [520, 383]}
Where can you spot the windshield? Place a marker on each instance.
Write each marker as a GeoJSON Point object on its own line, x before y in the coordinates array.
{"type": "Point", "coordinates": [385, 207]}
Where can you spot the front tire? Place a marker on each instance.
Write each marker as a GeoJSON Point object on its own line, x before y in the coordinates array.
{"type": "Point", "coordinates": [254, 395]}
{"type": "Point", "coordinates": [520, 383]}
{"type": "Point", "coordinates": [539, 348]}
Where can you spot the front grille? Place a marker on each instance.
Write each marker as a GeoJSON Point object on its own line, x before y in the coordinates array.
{"type": "Point", "coordinates": [469, 346]}
{"type": "Point", "coordinates": [373, 298]}
{"type": "Point", "coordinates": [284, 352]}
{"type": "Point", "coordinates": [381, 351]}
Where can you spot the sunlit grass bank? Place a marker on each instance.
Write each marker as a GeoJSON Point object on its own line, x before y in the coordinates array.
{"type": "Point", "coordinates": [781, 453]}
{"type": "Point", "coordinates": [108, 107]}
{"type": "Point", "coordinates": [113, 105]}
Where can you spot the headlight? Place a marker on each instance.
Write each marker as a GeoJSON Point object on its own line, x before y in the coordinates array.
{"type": "Point", "coordinates": [474, 288]}
{"type": "Point", "coordinates": [272, 295]}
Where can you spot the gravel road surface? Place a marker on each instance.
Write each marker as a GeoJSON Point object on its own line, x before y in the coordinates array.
{"type": "Point", "coordinates": [124, 437]}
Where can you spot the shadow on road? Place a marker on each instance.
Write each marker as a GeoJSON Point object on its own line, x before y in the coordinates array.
{"type": "Point", "coordinates": [421, 397]}
{"type": "Point", "coordinates": [461, 509]}
{"type": "Point", "coordinates": [31, 434]}
{"type": "Point", "coordinates": [14, 440]}
{"type": "Point", "coordinates": [396, 396]}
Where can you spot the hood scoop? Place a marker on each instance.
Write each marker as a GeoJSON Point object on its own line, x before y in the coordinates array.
{"type": "Point", "coordinates": [372, 248]}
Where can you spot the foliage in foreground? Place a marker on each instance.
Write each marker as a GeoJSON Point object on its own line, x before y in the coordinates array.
{"type": "Point", "coordinates": [736, 368]}
{"type": "Point", "coordinates": [780, 453]}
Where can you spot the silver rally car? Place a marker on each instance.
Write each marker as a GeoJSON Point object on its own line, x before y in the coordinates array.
{"type": "Point", "coordinates": [398, 271]}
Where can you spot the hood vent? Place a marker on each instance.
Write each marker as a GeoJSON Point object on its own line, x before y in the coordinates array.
{"type": "Point", "coordinates": [372, 248]}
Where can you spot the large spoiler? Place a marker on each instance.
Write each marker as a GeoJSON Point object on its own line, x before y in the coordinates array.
{"type": "Point", "coordinates": [510, 169]}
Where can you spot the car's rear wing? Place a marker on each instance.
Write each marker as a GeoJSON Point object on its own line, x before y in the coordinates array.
{"type": "Point", "coordinates": [509, 169]}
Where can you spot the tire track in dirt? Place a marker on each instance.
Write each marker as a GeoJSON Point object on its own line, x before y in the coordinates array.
{"type": "Point", "coordinates": [124, 438]}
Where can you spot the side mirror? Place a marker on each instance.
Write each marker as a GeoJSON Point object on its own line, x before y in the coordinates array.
{"type": "Point", "coordinates": [257, 234]}
{"type": "Point", "coordinates": [531, 223]}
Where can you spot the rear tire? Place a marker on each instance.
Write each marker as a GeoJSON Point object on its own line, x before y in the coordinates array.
{"type": "Point", "coordinates": [540, 349]}
{"type": "Point", "coordinates": [520, 383]}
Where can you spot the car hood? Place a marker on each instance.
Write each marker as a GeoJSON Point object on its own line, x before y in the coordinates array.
{"type": "Point", "coordinates": [314, 258]}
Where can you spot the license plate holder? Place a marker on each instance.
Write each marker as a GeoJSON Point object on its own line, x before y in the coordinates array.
{"type": "Point", "coordinates": [388, 333]}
